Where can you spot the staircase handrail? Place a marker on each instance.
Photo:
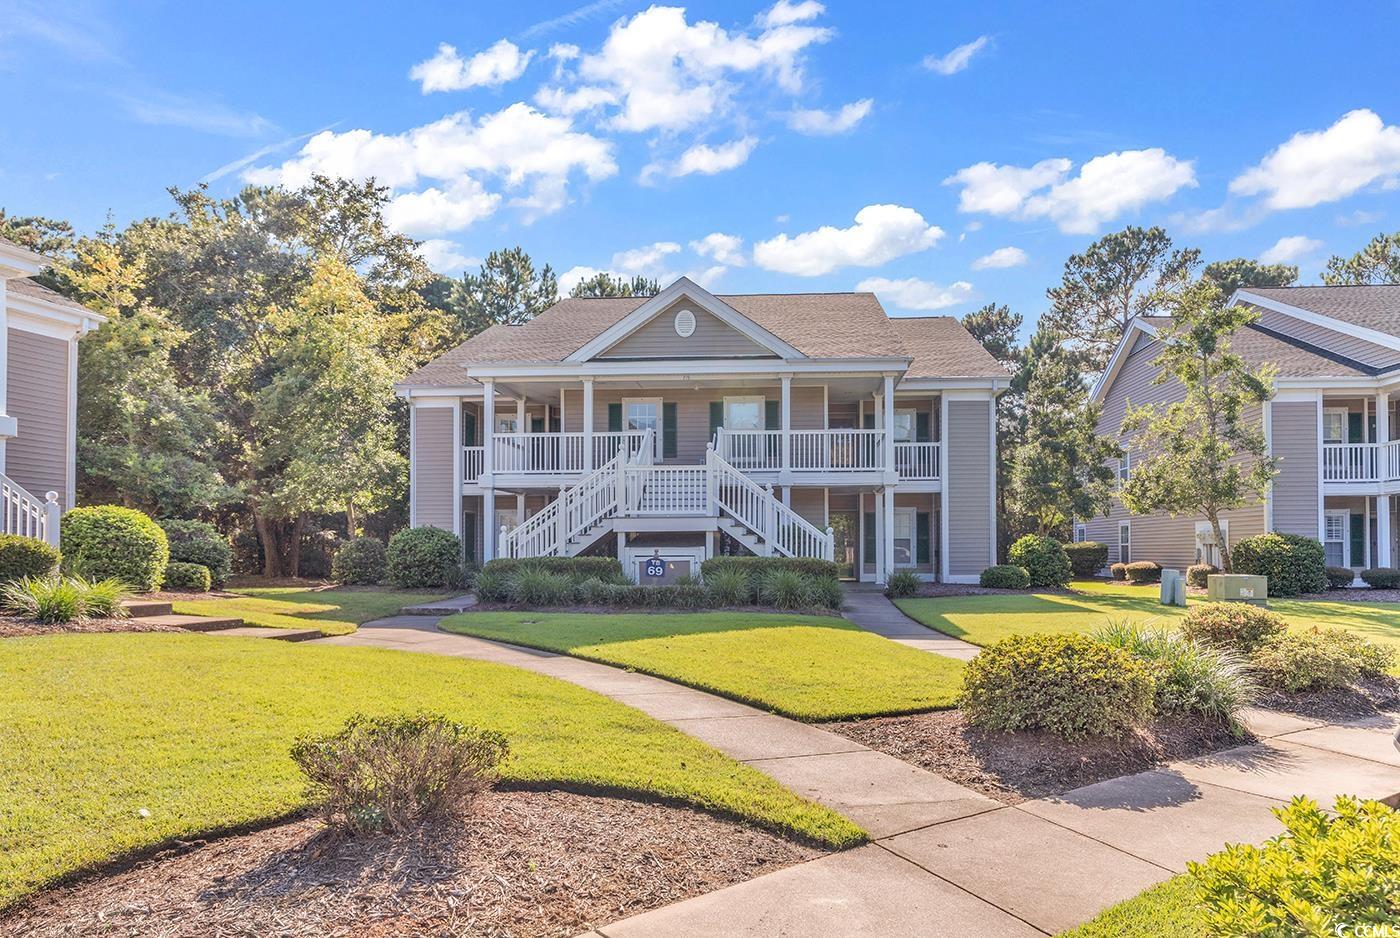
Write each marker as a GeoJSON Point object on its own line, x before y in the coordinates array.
{"type": "Point", "coordinates": [25, 514]}
{"type": "Point", "coordinates": [755, 507]}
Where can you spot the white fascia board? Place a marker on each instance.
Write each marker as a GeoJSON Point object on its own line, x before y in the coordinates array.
{"type": "Point", "coordinates": [687, 368]}
{"type": "Point", "coordinates": [416, 391]}
{"type": "Point", "coordinates": [684, 287]}
{"type": "Point", "coordinates": [16, 262]}
{"type": "Point", "coordinates": [1359, 383]}
{"type": "Point", "coordinates": [922, 385]}
{"type": "Point", "coordinates": [42, 314]}
{"type": "Point", "coordinates": [1318, 319]}
{"type": "Point", "coordinates": [1120, 355]}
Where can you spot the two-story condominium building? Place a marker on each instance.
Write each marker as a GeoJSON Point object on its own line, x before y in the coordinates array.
{"type": "Point", "coordinates": [677, 426]}
{"type": "Point", "coordinates": [1331, 423]}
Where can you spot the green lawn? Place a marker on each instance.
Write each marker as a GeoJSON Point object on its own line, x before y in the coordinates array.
{"type": "Point", "coordinates": [1167, 910]}
{"type": "Point", "coordinates": [986, 619]}
{"type": "Point", "coordinates": [807, 667]}
{"type": "Point", "coordinates": [196, 731]}
{"type": "Point", "coordinates": [333, 611]}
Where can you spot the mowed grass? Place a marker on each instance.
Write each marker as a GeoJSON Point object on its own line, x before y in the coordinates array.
{"type": "Point", "coordinates": [196, 731]}
{"type": "Point", "coordinates": [1091, 604]}
{"type": "Point", "coordinates": [807, 667]}
{"type": "Point", "coordinates": [333, 611]}
{"type": "Point", "coordinates": [1167, 910]}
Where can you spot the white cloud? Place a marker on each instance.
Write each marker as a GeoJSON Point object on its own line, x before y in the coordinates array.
{"type": "Point", "coordinates": [1001, 257]}
{"type": "Point", "coordinates": [709, 277]}
{"type": "Point", "coordinates": [169, 110]}
{"type": "Point", "coordinates": [648, 261]}
{"type": "Point", "coordinates": [881, 233]}
{"type": "Point", "coordinates": [1105, 188]}
{"type": "Point", "coordinates": [559, 101]}
{"type": "Point", "coordinates": [784, 13]}
{"type": "Point", "coordinates": [826, 123]}
{"type": "Point", "coordinates": [1289, 249]}
{"type": "Point", "coordinates": [723, 248]}
{"type": "Point", "coordinates": [433, 211]}
{"type": "Point", "coordinates": [576, 275]}
{"type": "Point", "coordinates": [914, 293]}
{"type": "Point", "coordinates": [1313, 167]}
{"type": "Point", "coordinates": [958, 59]}
{"type": "Point", "coordinates": [445, 257]}
{"type": "Point", "coordinates": [493, 67]}
{"type": "Point", "coordinates": [708, 160]}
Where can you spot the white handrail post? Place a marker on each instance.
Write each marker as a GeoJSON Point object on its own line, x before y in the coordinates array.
{"type": "Point", "coordinates": [53, 513]}
{"type": "Point", "coordinates": [563, 520]}
{"type": "Point", "coordinates": [769, 517]}
{"type": "Point", "coordinates": [785, 412]}
{"type": "Point", "coordinates": [507, 548]}
{"type": "Point", "coordinates": [830, 551]}
{"type": "Point", "coordinates": [711, 481]}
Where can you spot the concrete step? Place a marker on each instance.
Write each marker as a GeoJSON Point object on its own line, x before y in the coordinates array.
{"type": "Point", "coordinates": [141, 608]}
{"type": "Point", "coordinates": [192, 623]}
{"type": "Point", "coordinates": [276, 635]}
{"type": "Point", "coordinates": [443, 607]}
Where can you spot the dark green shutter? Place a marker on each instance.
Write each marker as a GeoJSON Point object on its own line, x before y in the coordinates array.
{"type": "Point", "coordinates": [921, 431]}
{"type": "Point", "coordinates": [1353, 428]}
{"type": "Point", "coordinates": [469, 540]}
{"type": "Point", "coordinates": [867, 549]}
{"type": "Point", "coordinates": [772, 420]}
{"type": "Point", "coordinates": [716, 416]}
{"type": "Point", "coordinates": [468, 428]}
{"type": "Point", "coordinates": [668, 430]}
{"type": "Point", "coordinates": [868, 421]}
{"type": "Point", "coordinates": [1358, 540]}
{"type": "Point", "coordinates": [921, 520]}
{"type": "Point", "coordinates": [614, 418]}
{"type": "Point", "coordinates": [536, 424]}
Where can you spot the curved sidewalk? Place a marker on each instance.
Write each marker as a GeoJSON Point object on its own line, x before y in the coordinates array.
{"type": "Point", "coordinates": [943, 859]}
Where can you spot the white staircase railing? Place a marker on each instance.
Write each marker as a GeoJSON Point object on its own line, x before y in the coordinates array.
{"type": "Point", "coordinates": [22, 513]}
{"type": "Point", "coordinates": [781, 529]}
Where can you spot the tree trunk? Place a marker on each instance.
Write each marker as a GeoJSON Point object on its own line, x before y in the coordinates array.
{"type": "Point", "coordinates": [281, 544]}
{"type": "Point", "coordinates": [351, 522]}
{"type": "Point", "coordinates": [1226, 565]}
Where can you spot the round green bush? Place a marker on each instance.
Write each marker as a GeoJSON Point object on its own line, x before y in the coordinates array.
{"type": "Point", "coordinates": [1198, 574]}
{"type": "Point", "coordinates": [1294, 564]}
{"type": "Point", "coordinates": [425, 557]}
{"type": "Point", "coordinates": [1234, 626]}
{"type": "Point", "coordinates": [1143, 571]}
{"type": "Point", "coordinates": [360, 561]}
{"type": "Point", "coordinates": [1381, 578]}
{"type": "Point", "coordinates": [22, 556]}
{"type": "Point", "coordinates": [188, 577]}
{"type": "Point", "coordinates": [199, 542]}
{"type": "Point", "coordinates": [1339, 578]}
{"type": "Point", "coordinates": [1318, 659]}
{"type": "Point", "coordinates": [1119, 571]}
{"type": "Point", "coordinates": [1004, 576]}
{"type": "Point", "coordinates": [1070, 685]}
{"type": "Point", "coordinates": [1086, 558]}
{"type": "Point", "coordinates": [1044, 558]}
{"type": "Point", "coordinates": [108, 541]}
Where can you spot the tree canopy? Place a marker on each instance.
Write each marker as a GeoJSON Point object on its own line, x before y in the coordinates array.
{"type": "Point", "coordinates": [605, 284]}
{"type": "Point", "coordinates": [1377, 263]}
{"type": "Point", "coordinates": [1241, 273]}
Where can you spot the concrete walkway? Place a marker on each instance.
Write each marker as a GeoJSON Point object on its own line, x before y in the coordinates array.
{"type": "Point", "coordinates": [868, 608]}
{"type": "Point", "coordinates": [943, 858]}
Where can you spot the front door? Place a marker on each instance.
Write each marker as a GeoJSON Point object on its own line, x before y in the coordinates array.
{"type": "Point", "coordinates": [845, 534]}
{"type": "Point", "coordinates": [644, 413]}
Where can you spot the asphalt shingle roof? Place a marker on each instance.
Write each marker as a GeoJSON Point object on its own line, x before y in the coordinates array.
{"type": "Point", "coordinates": [1374, 307]}
{"type": "Point", "coordinates": [23, 286]}
{"type": "Point", "coordinates": [1294, 358]}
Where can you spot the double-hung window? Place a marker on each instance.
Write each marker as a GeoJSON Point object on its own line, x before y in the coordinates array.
{"type": "Point", "coordinates": [904, 426]}
{"type": "Point", "coordinates": [905, 522]}
{"type": "Point", "coordinates": [1334, 425]}
{"type": "Point", "coordinates": [1125, 542]}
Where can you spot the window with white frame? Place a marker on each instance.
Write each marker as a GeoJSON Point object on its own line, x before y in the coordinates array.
{"type": "Point", "coordinates": [743, 413]}
{"type": "Point", "coordinates": [904, 426]}
{"type": "Point", "coordinates": [1335, 530]}
{"type": "Point", "coordinates": [1334, 425]}
{"type": "Point", "coordinates": [905, 522]}
{"type": "Point", "coordinates": [1125, 466]}
{"type": "Point", "coordinates": [1081, 532]}
{"type": "Point", "coordinates": [1125, 542]}
{"type": "Point", "coordinates": [1207, 547]}
{"type": "Point", "coordinates": [506, 424]}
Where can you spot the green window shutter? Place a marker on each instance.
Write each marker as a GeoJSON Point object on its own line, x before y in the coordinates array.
{"type": "Point", "coordinates": [668, 430]}
{"type": "Point", "coordinates": [1353, 428]}
{"type": "Point", "coordinates": [921, 520]}
{"type": "Point", "coordinates": [772, 420]}
{"type": "Point", "coordinates": [468, 428]}
{"type": "Point", "coordinates": [921, 431]}
{"type": "Point", "coordinates": [716, 416]}
{"type": "Point", "coordinates": [536, 424]}
{"type": "Point", "coordinates": [1358, 540]}
{"type": "Point", "coordinates": [469, 539]}
{"type": "Point", "coordinates": [868, 421]}
{"type": "Point", "coordinates": [614, 418]}
{"type": "Point", "coordinates": [867, 550]}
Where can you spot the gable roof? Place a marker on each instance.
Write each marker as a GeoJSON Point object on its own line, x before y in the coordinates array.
{"type": "Point", "coordinates": [23, 286]}
{"type": "Point", "coordinates": [1369, 306]}
{"type": "Point", "coordinates": [942, 348]}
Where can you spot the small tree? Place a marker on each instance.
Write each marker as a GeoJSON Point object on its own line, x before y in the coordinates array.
{"type": "Point", "coordinates": [1377, 262]}
{"type": "Point", "coordinates": [1201, 455]}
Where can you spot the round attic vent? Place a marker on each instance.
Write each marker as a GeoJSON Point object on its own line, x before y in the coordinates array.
{"type": "Point", "coordinates": [685, 323]}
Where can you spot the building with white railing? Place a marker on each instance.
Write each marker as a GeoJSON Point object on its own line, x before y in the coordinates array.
{"type": "Point", "coordinates": [681, 425]}
{"type": "Point", "coordinates": [1331, 424]}
{"type": "Point", "coordinates": [38, 396]}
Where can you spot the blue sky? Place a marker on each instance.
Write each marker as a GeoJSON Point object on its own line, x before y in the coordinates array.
{"type": "Point", "coordinates": [943, 155]}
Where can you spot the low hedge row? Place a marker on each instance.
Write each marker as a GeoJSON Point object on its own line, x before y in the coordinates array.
{"type": "Point", "coordinates": [535, 584]}
{"type": "Point", "coordinates": [1005, 576]}
{"type": "Point", "coordinates": [762, 566]}
{"type": "Point", "coordinates": [577, 569]}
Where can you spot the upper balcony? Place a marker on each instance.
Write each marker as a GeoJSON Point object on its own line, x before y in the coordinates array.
{"type": "Point", "coordinates": [1361, 463]}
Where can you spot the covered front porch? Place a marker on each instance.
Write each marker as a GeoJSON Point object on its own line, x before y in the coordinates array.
{"type": "Point", "coordinates": [1360, 531]}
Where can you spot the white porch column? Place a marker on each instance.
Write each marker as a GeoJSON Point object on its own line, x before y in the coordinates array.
{"type": "Point", "coordinates": [1366, 539]}
{"type": "Point", "coordinates": [879, 497]}
{"type": "Point", "coordinates": [1383, 528]}
{"type": "Point", "coordinates": [785, 409]}
{"type": "Point", "coordinates": [520, 425]}
{"type": "Point", "coordinates": [587, 425]}
{"type": "Point", "coordinates": [889, 427]}
{"type": "Point", "coordinates": [889, 532]}
{"type": "Point", "coordinates": [488, 430]}
{"type": "Point", "coordinates": [489, 531]}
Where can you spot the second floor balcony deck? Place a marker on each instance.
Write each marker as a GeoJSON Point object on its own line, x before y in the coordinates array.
{"type": "Point", "coordinates": [1361, 463]}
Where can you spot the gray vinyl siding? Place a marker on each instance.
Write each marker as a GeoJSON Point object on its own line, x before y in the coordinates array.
{"type": "Point", "coordinates": [712, 338]}
{"type": "Point", "coordinates": [435, 485]}
{"type": "Point", "coordinates": [1294, 428]}
{"type": "Point", "coordinates": [969, 486]}
{"type": "Point", "coordinates": [1328, 339]}
{"type": "Point", "coordinates": [693, 411]}
{"type": "Point", "coordinates": [39, 401]}
{"type": "Point", "coordinates": [810, 503]}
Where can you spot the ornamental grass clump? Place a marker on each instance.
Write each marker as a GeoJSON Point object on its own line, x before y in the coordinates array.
{"type": "Point", "coordinates": [784, 589]}
{"type": "Point", "coordinates": [728, 586]}
{"type": "Point", "coordinates": [533, 586]}
{"type": "Point", "coordinates": [1187, 676]}
{"type": "Point", "coordinates": [902, 584]}
{"type": "Point", "coordinates": [56, 600]}
{"type": "Point", "coordinates": [390, 773]}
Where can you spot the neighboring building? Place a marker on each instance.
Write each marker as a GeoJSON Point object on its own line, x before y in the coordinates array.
{"type": "Point", "coordinates": [1331, 424]}
{"type": "Point", "coordinates": [676, 426]}
{"type": "Point", "coordinates": [38, 394]}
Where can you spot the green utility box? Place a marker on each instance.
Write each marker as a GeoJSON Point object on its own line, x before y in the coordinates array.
{"type": "Point", "coordinates": [1238, 588]}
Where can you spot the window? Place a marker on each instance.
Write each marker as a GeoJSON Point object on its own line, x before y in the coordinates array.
{"type": "Point", "coordinates": [1334, 425]}
{"type": "Point", "coordinates": [1334, 538]}
{"type": "Point", "coordinates": [643, 413]}
{"type": "Point", "coordinates": [1081, 532]}
{"type": "Point", "coordinates": [743, 413]}
{"type": "Point", "coordinates": [904, 527]}
{"type": "Point", "coordinates": [1125, 542]}
{"type": "Point", "coordinates": [1125, 466]}
{"type": "Point", "coordinates": [904, 426]}
{"type": "Point", "coordinates": [1207, 550]}
{"type": "Point", "coordinates": [506, 424]}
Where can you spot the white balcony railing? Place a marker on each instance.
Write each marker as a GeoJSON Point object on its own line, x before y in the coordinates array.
{"type": "Point", "coordinates": [754, 450]}
{"type": "Point", "coordinates": [473, 457]}
{"type": "Point", "coordinates": [838, 450]}
{"type": "Point", "coordinates": [1349, 462]}
{"type": "Point", "coordinates": [547, 453]}
{"type": "Point", "coordinates": [917, 461]}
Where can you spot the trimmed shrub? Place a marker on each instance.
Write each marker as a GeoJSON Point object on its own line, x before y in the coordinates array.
{"type": "Point", "coordinates": [1198, 574]}
{"type": "Point", "coordinates": [1045, 561]}
{"type": "Point", "coordinates": [825, 593]}
{"type": "Point", "coordinates": [59, 599]}
{"type": "Point", "coordinates": [577, 569]}
{"type": "Point", "coordinates": [1327, 874]}
{"type": "Point", "coordinates": [22, 556]}
{"type": "Point", "coordinates": [902, 584]}
{"type": "Point", "coordinates": [1381, 578]}
{"type": "Point", "coordinates": [391, 772]}
{"type": "Point", "coordinates": [1319, 659]}
{"type": "Point", "coordinates": [360, 561]}
{"type": "Point", "coordinates": [424, 557]}
{"type": "Point", "coordinates": [1119, 571]}
{"type": "Point", "coordinates": [590, 592]}
{"type": "Point", "coordinates": [689, 593]}
{"type": "Point", "coordinates": [729, 586]}
{"type": "Point", "coordinates": [317, 552]}
{"type": "Point", "coordinates": [1294, 564]}
{"type": "Point", "coordinates": [190, 577]}
{"type": "Point", "coordinates": [1339, 578]}
{"type": "Point", "coordinates": [1070, 685]}
{"type": "Point", "coordinates": [758, 567]}
{"type": "Point", "coordinates": [109, 541]}
{"type": "Point", "coordinates": [784, 589]}
{"type": "Point", "coordinates": [1086, 558]}
{"type": "Point", "coordinates": [1143, 571]}
{"type": "Point", "coordinates": [199, 542]}
{"type": "Point", "coordinates": [1187, 676]}
{"type": "Point", "coordinates": [1005, 577]}
{"type": "Point", "coordinates": [1232, 626]}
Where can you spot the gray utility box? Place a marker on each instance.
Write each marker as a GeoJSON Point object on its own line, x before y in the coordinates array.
{"type": "Point", "coordinates": [1238, 588]}
{"type": "Point", "coordinates": [1173, 588]}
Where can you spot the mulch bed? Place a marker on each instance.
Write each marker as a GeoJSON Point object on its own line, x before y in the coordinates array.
{"type": "Point", "coordinates": [1357, 595]}
{"type": "Point", "coordinates": [15, 628]}
{"type": "Point", "coordinates": [1016, 767]}
{"type": "Point", "coordinates": [523, 863]}
{"type": "Point", "coordinates": [1366, 697]}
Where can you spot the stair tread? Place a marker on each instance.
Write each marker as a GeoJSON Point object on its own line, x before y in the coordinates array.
{"type": "Point", "coordinates": [191, 623]}
{"type": "Point", "coordinates": [254, 631]}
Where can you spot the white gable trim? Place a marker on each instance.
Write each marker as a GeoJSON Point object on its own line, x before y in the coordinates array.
{"type": "Point", "coordinates": [1120, 355]}
{"type": "Point", "coordinates": [1317, 319]}
{"type": "Point", "coordinates": [16, 261]}
{"type": "Point", "coordinates": [684, 287]}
